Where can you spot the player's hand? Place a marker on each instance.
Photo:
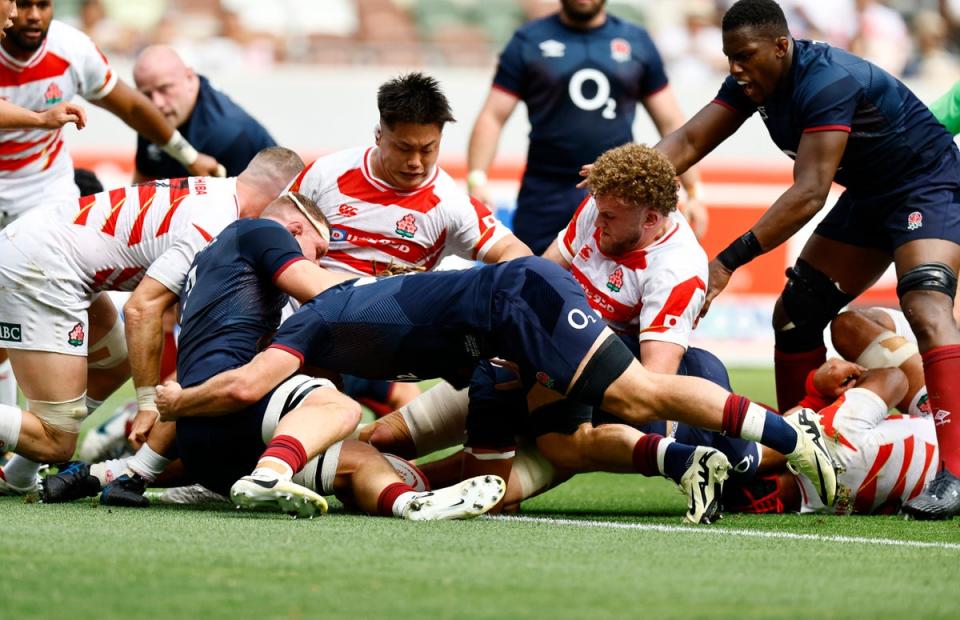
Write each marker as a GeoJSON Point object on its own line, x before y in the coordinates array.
{"type": "Point", "coordinates": [719, 276]}
{"type": "Point", "coordinates": [168, 396]}
{"type": "Point", "coordinates": [142, 424]}
{"type": "Point", "coordinates": [836, 376]}
{"type": "Point", "coordinates": [584, 172]}
{"type": "Point", "coordinates": [206, 166]}
{"type": "Point", "coordinates": [696, 213]}
{"type": "Point", "coordinates": [61, 114]}
{"type": "Point", "coordinates": [481, 193]}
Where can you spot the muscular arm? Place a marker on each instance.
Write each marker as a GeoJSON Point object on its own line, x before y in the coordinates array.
{"type": "Point", "coordinates": [14, 117]}
{"type": "Point", "coordinates": [143, 319]}
{"type": "Point", "coordinates": [817, 159]}
{"type": "Point", "coordinates": [507, 248]}
{"type": "Point", "coordinates": [660, 356]}
{"type": "Point", "coordinates": [699, 135]}
{"type": "Point", "coordinates": [304, 280]}
{"type": "Point", "coordinates": [552, 253]}
{"type": "Point", "coordinates": [486, 132]}
{"type": "Point", "coordinates": [666, 114]}
{"type": "Point", "coordinates": [228, 391]}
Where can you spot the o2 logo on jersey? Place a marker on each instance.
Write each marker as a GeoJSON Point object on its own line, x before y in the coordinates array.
{"type": "Point", "coordinates": [600, 99]}
{"type": "Point", "coordinates": [579, 319]}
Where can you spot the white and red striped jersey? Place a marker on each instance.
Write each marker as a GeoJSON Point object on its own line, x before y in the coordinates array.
{"type": "Point", "coordinates": [655, 292]}
{"type": "Point", "coordinates": [886, 460]}
{"type": "Point", "coordinates": [373, 224]}
{"type": "Point", "coordinates": [67, 64]}
{"type": "Point", "coordinates": [112, 239]}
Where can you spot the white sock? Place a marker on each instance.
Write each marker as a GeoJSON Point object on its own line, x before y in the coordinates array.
{"type": "Point", "coordinates": [92, 405]}
{"type": "Point", "coordinates": [8, 385]}
{"type": "Point", "coordinates": [10, 420]}
{"type": "Point", "coordinates": [753, 421]}
{"type": "Point", "coordinates": [108, 471]}
{"type": "Point", "coordinates": [400, 504]}
{"type": "Point", "coordinates": [147, 463]}
{"type": "Point", "coordinates": [20, 471]}
{"type": "Point", "coordinates": [286, 474]}
{"type": "Point", "coordinates": [662, 453]}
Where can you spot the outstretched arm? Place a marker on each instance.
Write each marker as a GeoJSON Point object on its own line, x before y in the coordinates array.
{"type": "Point", "coordinates": [228, 391]}
{"type": "Point", "coordinates": [14, 117]}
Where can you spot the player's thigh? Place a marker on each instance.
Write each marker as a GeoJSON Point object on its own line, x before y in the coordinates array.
{"type": "Point", "coordinates": [46, 376]}
{"type": "Point", "coordinates": [853, 268]}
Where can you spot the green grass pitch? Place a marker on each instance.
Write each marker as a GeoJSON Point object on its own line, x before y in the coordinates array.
{"type": "Point", "coordinates": [600, 546]}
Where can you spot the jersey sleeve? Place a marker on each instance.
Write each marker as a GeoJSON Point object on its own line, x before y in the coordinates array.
{"type": "Point", "coordinates": [947, 109]}
{"type": "Point", "coordinates": [732, 97]}
{"type": "Point", "coordinates": [474, 229]}
{"type": "Point", "coordinates": [670, 308]}
{"type": "Point", "coordinates": [97, 78]}
{"type": "Point", "coordinates": [511, 69]}
{"type": "Point", "coordinates": [861, 412]}
{"type": "Point", "coordinates": [171, 267]}
{"type": "Point", "coordinates": [828, 104]}
{"type": "Point", "coordinates": [300, 333]}
{"type": "Point", "coordinates": [269, 248]}
{"type": "Point", "coordinates": [572, 238]}
{"type": "Point", "coordinates": [655, 76]}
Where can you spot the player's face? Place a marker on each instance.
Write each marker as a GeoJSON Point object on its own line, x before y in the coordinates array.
{"type": "Point", "coordinates": [31, 24]}
{"type": "Point", "coordinates": [620, 224]}
{"type": "Point", "coordinates": [757, 61]}
{"type": "Point", "coordinates": [8, 10]}
{"type": "Point", "coordinates": [581, 10]}
{"type": "Point", "coordinates": [313, 245]}
{"type": "Point", "coordinates": [407, 153]}
{"type": "Point", "coordinates": [169, 85]}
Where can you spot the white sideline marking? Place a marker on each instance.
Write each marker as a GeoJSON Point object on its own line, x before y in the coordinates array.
{"type": "Point", "coordinates": [719, 531]}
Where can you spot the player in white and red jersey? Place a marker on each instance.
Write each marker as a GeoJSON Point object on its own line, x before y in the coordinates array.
{"type": "Point", "coordinates": [52, 263]}
{"type": "Point", "coordinates": [391, 203]}
{"type": "Point", "coordinates": [43, 63]}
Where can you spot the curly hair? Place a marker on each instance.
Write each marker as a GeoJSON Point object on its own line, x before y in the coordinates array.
{"type": "Point", "coordinates": [637, 174]}
{"type": "Point", "coordinates": [763, 15]}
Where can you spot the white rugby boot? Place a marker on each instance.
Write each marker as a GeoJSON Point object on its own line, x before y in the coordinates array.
{"type": "Point", "coordinates": [464, 500]}
{"type": "Point", "coordinates": [263, 492]}
{"type": "Point", "coordinates": [702, 483]}
{"type": "Point", "coordinates": [810, 458]}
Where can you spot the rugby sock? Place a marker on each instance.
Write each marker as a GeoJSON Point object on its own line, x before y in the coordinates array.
{"type": "Point", "coordinates": [741, 418]}
{"type": "Point", "coordinates": [941, 367]}
{"type": "Point", "coordinates": [286, 451]}
{"type": "Point", "coordinates": [108, 471]}
{"type": "Point", "coordinates": [656, 455]}
{"type": "Point", "coordinates": [10, 420]}
{"type": "Point", "coordinates": [791, 370]}
{"type": "Point", "coordinates": [21, 472]}
{"type": "Point", "coordinates": [394, 498]}
{"type": "Point", "coordinates": [8, 385]}
{"type": "Point", "coordinates": [147, 463]}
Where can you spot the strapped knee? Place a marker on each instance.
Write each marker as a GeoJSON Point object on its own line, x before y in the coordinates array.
{"type": "Point", "coordinates": [928, 277]}
{"type": "Point", "coordinates": [811, 300]}
{"type": "Point", "coordinates": [115, 344]}
{"type": "Point", "coordinates": [64, 415]}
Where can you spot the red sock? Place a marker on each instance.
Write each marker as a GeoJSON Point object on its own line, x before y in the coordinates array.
{"type": "Point", "coordinates": [791, 374]}
{"type": "Point", "coordinates": [645, 455]}
{"type": "Point", "coordinates": [941, 367]}
{"type": "Point", "coordinates": [734, 411]}
{"type": "Point", "coordinates": [289, 450]}
{"type": "Point", "coordinates": [389, 495]}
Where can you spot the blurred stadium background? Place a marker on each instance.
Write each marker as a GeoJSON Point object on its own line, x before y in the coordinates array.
{"type": "Point", "coordinates": [309, 69]}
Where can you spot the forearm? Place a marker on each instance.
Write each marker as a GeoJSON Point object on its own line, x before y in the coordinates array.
{"type": "Point", "coordinates": [217, 396]}
{"type": "Point", "coordinates": [144, 333]}
{"type": "Point", "coordinates": [14, 117]}
{"type": "Point", "coordinates": [483, 142]}
{"type": "Point", "coordinates": [787, 216]}
{"type": "Point", "coordinates": [147, 121]}
{"type": "Point", "coordinates": [681, 152]}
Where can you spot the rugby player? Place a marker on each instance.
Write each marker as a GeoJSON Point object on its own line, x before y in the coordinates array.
{"type": "Point", "coordinates": [844, 120]}
{"type": "Point", "coordinates": [52, 264]}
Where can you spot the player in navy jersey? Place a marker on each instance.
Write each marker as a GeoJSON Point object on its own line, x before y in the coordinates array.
{"type": "Point", "coordinates": [581, 73]}
{"type": "Point", "coordinates": [844, 120]}
{"type": "Point", "coordinates": [208, 118]}
{"type": "Point", "coordinates": [528, 311]}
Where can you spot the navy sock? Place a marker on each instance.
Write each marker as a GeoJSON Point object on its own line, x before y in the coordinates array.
{"type": "Point", "coordinates": [777, 434]}
{"type": "Point", "coordinates": [676, 460]}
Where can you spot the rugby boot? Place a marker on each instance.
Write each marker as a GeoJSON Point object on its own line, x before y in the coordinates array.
{"type": "Point", "coordinates": [189, 495]}
{"type": "Point", "coordinates": [810, 458]}
{"type": "Point", "coordinates": [265, 492]}
{"type": "Point", "coordinates": [939, 501]}
{"type": "Point", "coordinates": [73, 481]}
{"type": "Point", "coordinates": [464, 500]}
{"type": "Point", "coordinates": [702, 483]}
{"type": "Point", "coordinates": [127, 490]}
{"type": "Point", "coordinates": [109, 440]}
{"type": "Point", "coordinates": [8, 489]}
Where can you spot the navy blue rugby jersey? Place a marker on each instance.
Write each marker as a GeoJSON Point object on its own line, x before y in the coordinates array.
{"type": "Point", "coordinates": [581, 87]}
{"type": "Point", "coordinates": [893, 135]}
{"type": "Point", "coordinates": [229, 303]}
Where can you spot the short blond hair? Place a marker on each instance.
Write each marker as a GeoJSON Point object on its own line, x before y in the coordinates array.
{"type": "Point", "coordinates": [636, 174]}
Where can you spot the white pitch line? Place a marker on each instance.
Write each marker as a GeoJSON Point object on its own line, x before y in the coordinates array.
{"type": "Point", "coordinates": [719, 531]}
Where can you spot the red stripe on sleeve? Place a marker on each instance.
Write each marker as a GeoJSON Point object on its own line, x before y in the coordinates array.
{"type": "Point", "coordinates": [283, 267]}
{"type": "Point", "coordinates": [723, 103]}
{"type": "Point", "coordinates": [820, 128]}
{"type": "Point", "coordinates": [293, 352]}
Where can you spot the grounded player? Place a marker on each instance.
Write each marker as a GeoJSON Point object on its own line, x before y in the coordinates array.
{"type": "Point", "coordinates": [528, 311]}
{"type": "Point", "coordinates": [581, 73]}
{"type": "Point", "coordinates": [51, 267]}
{"type": "Point", "coordinates": [845, 120]}
{"type": "Point", "coordinates": [205, 116]}
{"type": "Point", "coordinates": [391, 204]}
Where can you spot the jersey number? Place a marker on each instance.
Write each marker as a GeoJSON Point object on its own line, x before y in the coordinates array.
{"type": "Point", "coordinates": [601, 99]}
{"type": "Point", "coordinates": [187, 288]}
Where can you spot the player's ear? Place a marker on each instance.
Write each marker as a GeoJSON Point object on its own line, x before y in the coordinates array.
{"type": "Point", "coordinates": [377, 134]}
{"type": "Point", "coordinates": [295, 228]}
